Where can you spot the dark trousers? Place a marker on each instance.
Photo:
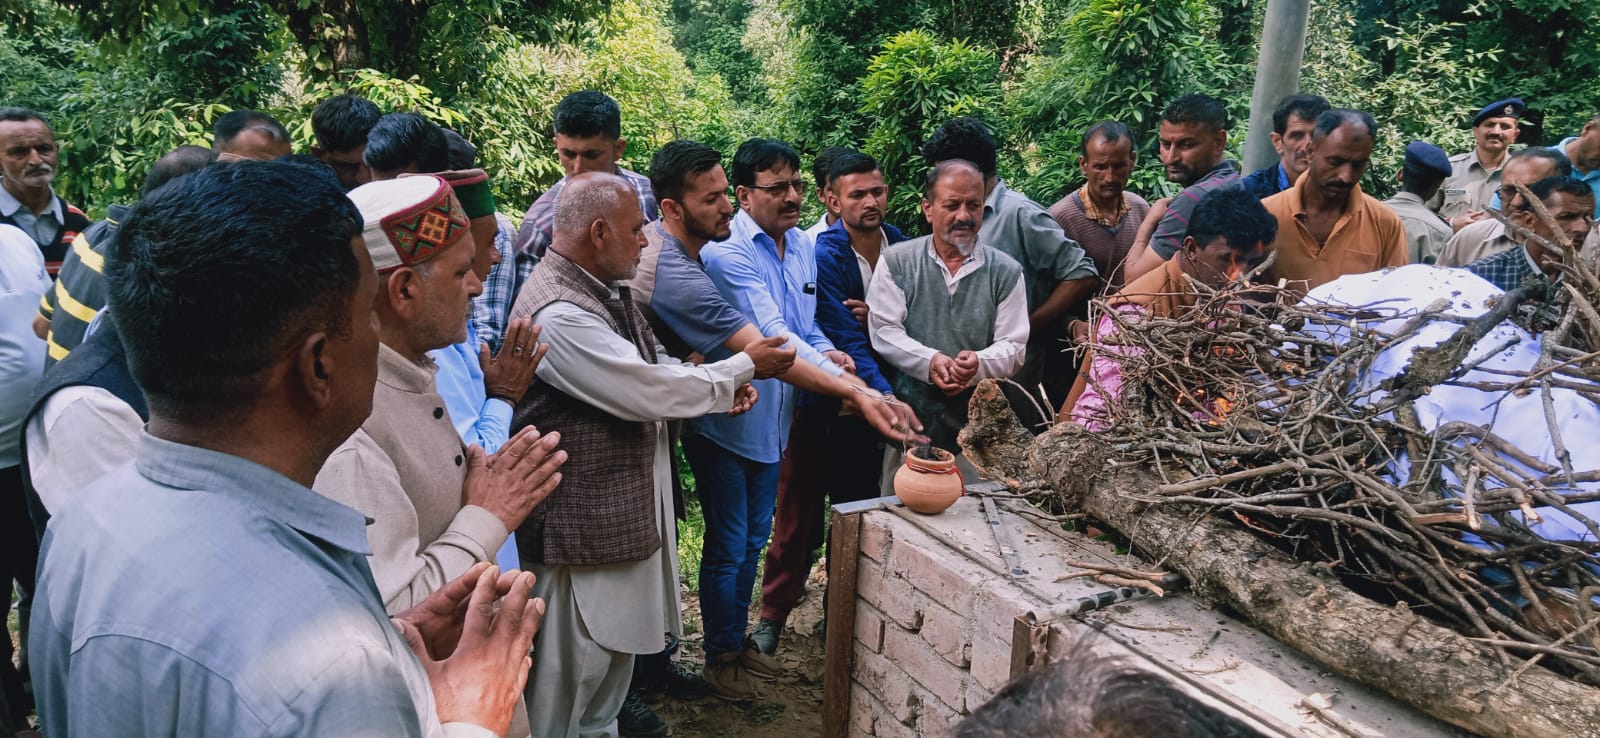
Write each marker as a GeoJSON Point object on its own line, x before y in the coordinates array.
{"type": "Point", "coordinates": [19, 557]}
{"type": "Point", "coordinates": [830, 457]}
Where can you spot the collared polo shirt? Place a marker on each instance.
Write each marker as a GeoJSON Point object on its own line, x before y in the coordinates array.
{"type": "Point", "coordinates": [41, 227]}
{"type": "Point", "coordinates": [779, 295]}
{"type": "Point", "coordinates": [192, 592]}
{"type": "Point", "coordinates": [1368, 237]}
{"type": "Point", "coordinates": [1169, 234]}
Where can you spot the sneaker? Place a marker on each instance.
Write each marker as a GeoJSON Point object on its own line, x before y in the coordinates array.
{"type": "Point", "coordinates": [759, 663]}
{"type": "Point", "coordinates": [637, 720]}
{"type": "Point", "coordinates": [766, 636]}
{"type": "Point", "coordinates": [729, 679]}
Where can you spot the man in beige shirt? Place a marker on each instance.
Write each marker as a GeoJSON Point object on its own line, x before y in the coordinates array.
{"type": "Point", "coordinates": [1328, 227]}
{"type": "Point", "coordinates": [1424, 170]}
{"type": "Point", "coordinates": [437, 507]}
{"type": "Point", "coordinates": [1488, 237]}
{"type": "Point", "coordinates": [1475, 174]}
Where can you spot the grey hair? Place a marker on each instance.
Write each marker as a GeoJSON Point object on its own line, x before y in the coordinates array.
{"type": "Point", "coordinates": [587, 198]}
{"type": "Point", "coordinates": [1087, 695]}
{"type": "Point", "coordinates": [938, 171]}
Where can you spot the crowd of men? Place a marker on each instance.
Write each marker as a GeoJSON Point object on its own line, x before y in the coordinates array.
{"type": "Point", "coordinates": [324, 444]}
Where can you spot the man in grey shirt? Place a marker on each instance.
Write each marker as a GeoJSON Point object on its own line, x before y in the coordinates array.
{"type": "Point", "coordinates": [205, 589]}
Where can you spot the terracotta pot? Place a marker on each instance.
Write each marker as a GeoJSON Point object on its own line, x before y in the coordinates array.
{"type": "Point", "coordinates": [928, 486]}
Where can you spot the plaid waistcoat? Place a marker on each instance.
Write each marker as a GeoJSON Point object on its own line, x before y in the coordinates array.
{"type": "Point", "coordinates": [604, 510]}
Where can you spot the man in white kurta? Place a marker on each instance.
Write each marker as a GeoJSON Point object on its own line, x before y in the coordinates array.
{"type": "Point", "coordinates": [604, 546]}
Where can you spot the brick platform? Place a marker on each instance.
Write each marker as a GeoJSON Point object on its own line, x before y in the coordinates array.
{"type": "Point", "coordinates": [935, 622]}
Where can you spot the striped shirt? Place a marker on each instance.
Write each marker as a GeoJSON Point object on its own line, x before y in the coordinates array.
{"type": "Point", "coordinates": [79, 293]}
{"type": "Point", "coordinates": [1174, 225]}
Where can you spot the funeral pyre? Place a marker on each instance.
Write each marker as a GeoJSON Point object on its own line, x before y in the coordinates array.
{"type": "Point", "coordinates": [1428, 439]}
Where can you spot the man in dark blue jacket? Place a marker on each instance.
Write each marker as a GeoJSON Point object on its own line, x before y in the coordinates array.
{"type": "Point", "coordinates": [830, 453]}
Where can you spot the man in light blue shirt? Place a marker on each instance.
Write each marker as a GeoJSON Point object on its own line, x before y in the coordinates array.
{"type": "Point", "coordinates": [1584, 152]}
{"type": "Point", "coordinates": [205, 589]}
{"type": "Point", "coordinates": [767, 270]}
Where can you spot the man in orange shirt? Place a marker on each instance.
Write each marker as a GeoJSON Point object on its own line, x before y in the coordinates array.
{"type": "Point", "coordinates": [1328, 227]}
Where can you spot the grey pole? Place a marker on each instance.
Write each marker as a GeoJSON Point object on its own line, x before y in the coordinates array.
{"type": "Point", "coordinates": [1283, 47]}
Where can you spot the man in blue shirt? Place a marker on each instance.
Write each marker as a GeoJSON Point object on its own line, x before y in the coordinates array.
{"type": "Point", "coordinates": [1292, 122]}
{"type": "Point", "coordinates": [767, 271]}
{"type": "Point", "coordinates": [1584, 152]}
{"type": "Point", "coordinates": [831, 455]}
{"type": "Point", "coordinates": [205, 589]}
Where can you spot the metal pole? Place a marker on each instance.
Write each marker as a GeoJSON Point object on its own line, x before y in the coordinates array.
{"type": "Point", "coordinates": [1283, 47]}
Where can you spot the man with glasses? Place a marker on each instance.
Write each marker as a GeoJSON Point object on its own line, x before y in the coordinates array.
{"type": "Point", "coordinates": [767, 270]}
{"type": "Point", "coordinates": [1488, 237]}
{"type": "Point", "coordinates": [1570, 203]}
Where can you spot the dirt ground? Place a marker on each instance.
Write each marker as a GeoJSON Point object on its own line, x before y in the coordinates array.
{"type": "Point", "coordinates": [790, 707]}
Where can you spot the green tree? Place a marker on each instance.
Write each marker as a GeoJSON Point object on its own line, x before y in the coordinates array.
{"type": "Point", "coordinates": [910, 90]}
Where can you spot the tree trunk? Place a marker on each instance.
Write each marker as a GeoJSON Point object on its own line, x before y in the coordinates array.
{"type": "Point", "coordinates": [1436, 670]}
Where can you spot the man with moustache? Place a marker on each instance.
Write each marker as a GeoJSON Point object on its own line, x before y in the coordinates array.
{"type": "Point", "coordinates": [28, 159]}
{"type": "Point", "coordinates": [1328, 227]}
{"type": "Point", "coordinates": [437, 507]}
{"type": "Point", "coordinates": [947, 310]}
{"type": "Point", "coordinates": [604, 545]}
{"type": "Point", "coordinates": [1475, 175]}
{"type": "Point", "coordinates": [832, 455]}
{"type": "Point", "coordinates": [1488, 236]}
{"type": "Point", "coordinates": [1102, 215]}
{"type": "Point", "coordinates": [1570, 204]}
{"type": "Point", "coordinates": [1292, 122]}
{"type": "Point", "coordinates": [767, 270]}
{"type": "Point", "coordinates": [1194, 141]}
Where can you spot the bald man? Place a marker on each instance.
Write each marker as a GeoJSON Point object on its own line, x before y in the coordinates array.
{"type": "Point", "coordinates": [604, 545]}
{"type": "Point", "coordinates": [948, 310]}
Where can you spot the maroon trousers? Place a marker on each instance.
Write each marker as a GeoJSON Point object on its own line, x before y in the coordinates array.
{"type": "Point", "coordinates": [829, 457]}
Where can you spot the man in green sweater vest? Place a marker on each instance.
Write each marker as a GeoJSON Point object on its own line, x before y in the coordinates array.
{"type": "Point", "coordinates": [946, 309]}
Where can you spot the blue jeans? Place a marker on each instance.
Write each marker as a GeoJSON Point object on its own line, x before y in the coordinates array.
{"type": "Point", "coordinates": [737, 496]}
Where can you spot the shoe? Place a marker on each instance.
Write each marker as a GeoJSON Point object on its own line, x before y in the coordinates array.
{"type": "Point", "coordinates": [683, 682]}
{"type": "Point", "coordinates": [766, 636]}
{"type": "Point", "coordinates": [759, 663]}
{"type": "Point", "coordinates": [729, 679]}
{"type": "Point", "coordinates": [637, 720]}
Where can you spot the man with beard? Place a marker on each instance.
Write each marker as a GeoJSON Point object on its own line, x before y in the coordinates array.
{"type": "Point", "coordinates": [947, 310]}
{"type": "Point", "coordinates": [1488, 236]}
{"type": "Point", "coordinates": [1292, 122]}
{"type": "Point", "coordinates": [28, 158]}
{"type": "Point", "coordinates": [1194, 141]}
{"type": "Point", "coordinates": [1475, 174]}
{"type": "Point", "coordinates": [1328, 227]}
{"type": "Point", "coordinates": [832, 455]}
{"type": "Point", "coordinates": [767, 270]}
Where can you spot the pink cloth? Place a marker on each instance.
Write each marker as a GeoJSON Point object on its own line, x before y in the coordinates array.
{"type": "Point", "coordinates": [1104, 385]}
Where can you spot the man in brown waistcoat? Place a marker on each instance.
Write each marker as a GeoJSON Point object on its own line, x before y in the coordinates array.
{"type": "Point", "coordinates": [604, 544]}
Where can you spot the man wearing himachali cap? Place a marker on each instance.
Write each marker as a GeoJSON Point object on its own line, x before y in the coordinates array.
{"type": "Point", "coordinates": [438, 507]}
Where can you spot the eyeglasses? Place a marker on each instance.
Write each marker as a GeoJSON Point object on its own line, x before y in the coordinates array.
{"type": "Point", "coordinates": [779, 189]}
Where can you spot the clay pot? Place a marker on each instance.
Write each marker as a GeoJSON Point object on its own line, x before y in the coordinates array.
{"type": "Point", "coordinates": [928, 486]}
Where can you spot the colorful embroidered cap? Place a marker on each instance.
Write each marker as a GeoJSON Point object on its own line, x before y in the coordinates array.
{"type": "Point", "coordinates": [409, 220]}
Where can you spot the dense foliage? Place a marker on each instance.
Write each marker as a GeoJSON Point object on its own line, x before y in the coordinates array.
{"type": "Point", "coordinates": [125, 81]}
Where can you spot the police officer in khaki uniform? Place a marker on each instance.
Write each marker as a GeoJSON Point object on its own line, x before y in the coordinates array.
{"type": "Point", "coordinates": [1425, 169]}
{"type": "Point", "coordinates": [1475, 174]}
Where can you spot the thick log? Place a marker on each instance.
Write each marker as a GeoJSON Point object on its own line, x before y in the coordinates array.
{"type": "Point", "coordinates": [1434, 669]}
